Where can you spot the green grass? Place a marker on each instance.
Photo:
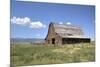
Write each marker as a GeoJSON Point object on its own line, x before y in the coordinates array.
{"type": "Point", "coordinates": [40, 54]}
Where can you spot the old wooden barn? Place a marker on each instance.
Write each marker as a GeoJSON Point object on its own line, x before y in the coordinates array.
{"type": "Point", "coordinates": [60, 34]}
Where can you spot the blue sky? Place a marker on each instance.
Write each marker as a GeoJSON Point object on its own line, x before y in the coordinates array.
{"type": "Point", "coordinates": [37, 16]}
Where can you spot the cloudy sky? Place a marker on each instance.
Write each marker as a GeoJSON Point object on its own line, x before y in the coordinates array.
{"type": "Point", "coordinates": [31, 19]}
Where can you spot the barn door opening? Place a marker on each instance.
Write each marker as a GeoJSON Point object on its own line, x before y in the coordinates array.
{"type": "Point", "coordinates": [53, 40]}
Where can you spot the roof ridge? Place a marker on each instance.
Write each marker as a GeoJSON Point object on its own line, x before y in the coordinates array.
{"type": "Point", "coordinates": [65, 24]}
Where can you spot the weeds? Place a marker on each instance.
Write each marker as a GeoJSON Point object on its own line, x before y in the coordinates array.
{"type": "Point", "coordinates": [41, 54]}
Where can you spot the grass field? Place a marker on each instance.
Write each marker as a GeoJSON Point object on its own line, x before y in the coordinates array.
{"type": "Point", "coordinates": [29, 54]}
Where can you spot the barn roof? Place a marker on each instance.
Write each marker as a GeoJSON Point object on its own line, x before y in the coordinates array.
{"type": "Point", "coordinates": [68, 31]}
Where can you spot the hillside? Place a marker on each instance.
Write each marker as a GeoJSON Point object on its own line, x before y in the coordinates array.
{"type": "Point", "coordinates": [26, 40]}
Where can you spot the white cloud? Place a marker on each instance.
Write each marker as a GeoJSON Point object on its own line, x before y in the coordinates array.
{"type": "Point", "coordinates": [37, 24]}
{"type": "Point", "coordinates": [28, 22]}
{"type": "Point", "coordinates": [68, 23]}
{"type": "Point", "coordinates": [60, 22]}
{"type": "Point", "coordinates": [19, 20]}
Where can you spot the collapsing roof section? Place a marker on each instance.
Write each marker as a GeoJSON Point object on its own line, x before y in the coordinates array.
{"type": "Point", "coordinates": [68, 31]}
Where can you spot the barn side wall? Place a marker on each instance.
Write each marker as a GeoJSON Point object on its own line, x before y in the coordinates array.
{"type": "Point", "coordinates": [75, 40]}
{"type": "Point", "coordinates": [58, 40]}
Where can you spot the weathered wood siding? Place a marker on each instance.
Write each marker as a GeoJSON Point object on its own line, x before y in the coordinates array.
{"type": "Point", "coordinates": [60, 34]}
{"type": "Point", "coordinates": [52, 35]}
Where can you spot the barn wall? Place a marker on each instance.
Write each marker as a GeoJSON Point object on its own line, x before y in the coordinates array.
{"type": "Point", "coordinates": [58, 40]}
{"type": "Point", "coordinates": [53, 35]}
{"type": "Point", "coordinates": [75, 40]}
{"type": "Point", "coordinates": [50, 35]}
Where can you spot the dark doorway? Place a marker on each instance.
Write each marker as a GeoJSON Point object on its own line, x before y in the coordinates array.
{"type": "Point", "coordinates": [53, 40]}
